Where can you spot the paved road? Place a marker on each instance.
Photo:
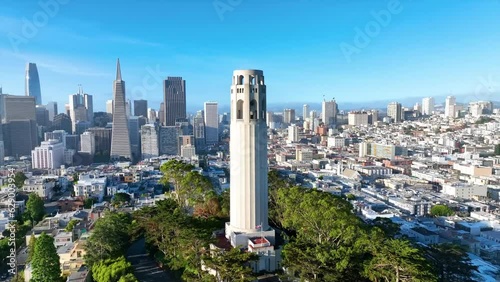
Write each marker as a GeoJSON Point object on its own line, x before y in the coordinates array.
{"type": "Point", "coordinates": [145, 268]}
{"type": "Point", "coordinates": [22, 256]}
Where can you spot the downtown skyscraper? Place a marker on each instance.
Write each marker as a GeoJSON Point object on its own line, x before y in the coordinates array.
{"type": "Point", "coordinates": [32, 83]}
{"type": "Point", "coordinates": [81, 108]}
{"type": "Point", "coordinates": [174, 90]}
{"type": "Point", "coordinates": [120, 138]}
{"type": "Point", "coordinates": [329, 111]}
{"type": "Point", "coordinates": [211, 123]}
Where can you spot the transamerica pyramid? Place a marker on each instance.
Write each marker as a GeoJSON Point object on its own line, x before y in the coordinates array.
{"type": "Point", "coordinates": [120, 139]}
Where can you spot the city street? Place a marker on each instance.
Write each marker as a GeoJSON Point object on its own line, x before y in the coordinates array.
{"type": "Point", "coordinates": [145, 268]}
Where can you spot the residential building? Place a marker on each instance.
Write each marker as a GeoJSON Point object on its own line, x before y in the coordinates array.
{"type": "Point", "coordinates": [149, 141]}
{"type": "Point", "coordinates": [49, 155]}
{"type": "Point", "coordinates": [450, 107]}
{"type": "Point", "coordinates": [329, 111]}
{"type": "Point", "coordinates": [427, 106]}
{"type": "Point", "coordinates": [289, 116]}
{"type": "Point", "coordinates": [88, 143]}
{"type": "Point", "coordinates": [394, 111]}
{"type": "Point", "coordinates": [357, 118]}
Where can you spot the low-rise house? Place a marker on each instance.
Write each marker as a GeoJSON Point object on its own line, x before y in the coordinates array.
{"type": "Point", "coordinates": [91, 186]}
{"type": "Point", "coordinates": [42, 187]}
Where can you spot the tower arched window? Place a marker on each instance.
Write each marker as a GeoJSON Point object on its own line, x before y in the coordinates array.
{"type": "Point", "coordinates": [252, 80]}
{"type": "Point", "coordinates": [239, 109]}
{"type": "Point", "coordinates": [253, 109]}
{"type": "Point", "coordinates": [241, 80]}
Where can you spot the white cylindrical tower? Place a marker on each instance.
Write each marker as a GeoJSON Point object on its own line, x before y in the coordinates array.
{"type": "Point", "coordinates": [248, 152]}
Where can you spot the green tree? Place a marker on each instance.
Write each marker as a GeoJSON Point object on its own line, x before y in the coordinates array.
{"type": "Point", "coordinates": [452, 263]}
{"type": "Point", "coordinates": [225, 202]}
{"type": "Point", "coordinates": [76, 177]}
{"type": "Point", "coordinates": [128, 278]}
{"type": "Point", "coordinates": [31, 247]}
{"type": "Point", "coordinates": [87, 203]}
{"type": "Point", "coordinates": [4, 252]}
{"type": "Point", "coordinates": [109, 239]}
{"type": "Point", "coordinates": [177, 239]}
{"type": "Point", "coordinates": [351, 197]}
{"type": "Point", "coordinates": [193, 188]}
{"type": "Point", "coordinates": [71, 225]}
{"type": "Point", "coordinates": [35, 207]}
{"type": "Point", "coordinates": [397, 260]}
{"type": "Point", "coordinates": [174, 171]}
{"type": "Point", "coordinates": [497, 149]}
{"type": "Point", "coordinates": [390, 228]}
{"type": "Point", "coordinates": [19, 277]}
{"type": "Point", "coordinates": [19, 178]}
{"type": "Point", "coordinates": [232, 265]}
{"type": "Point", "coordinates": [112, 270]}
{"type": "Point", "coordinates": [441, 210]}
{"type": "Point", "coordinates": [121, 198]}
{"type": "Point", "coordinates": [329, 239]}
{"type": "Point", "coordinates": [45, 262]}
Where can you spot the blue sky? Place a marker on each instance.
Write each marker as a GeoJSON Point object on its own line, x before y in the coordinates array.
{"type": "Point", "coordinates": [425, 49]}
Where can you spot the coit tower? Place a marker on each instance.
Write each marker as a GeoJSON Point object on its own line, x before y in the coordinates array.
{"type": "Point", "coordinates": [248, 153]}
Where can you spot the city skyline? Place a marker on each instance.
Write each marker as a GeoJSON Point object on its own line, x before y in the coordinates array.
{"type": "Point", "coordinates": [427, 70]}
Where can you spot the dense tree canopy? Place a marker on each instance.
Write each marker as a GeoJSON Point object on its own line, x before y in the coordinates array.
{"type": "Point", "coordinates": [452, 264]}
{"type": "Point", "coordinates": [71, 225]}
{"type": "Point", "coordinates": [113, 270]}
{"type": "Point", "coordinates": [190, 187]}
{"type": "Point", "coordinates": [45, 264]}
{"type": "Point", "coordinates": [178, 239]}
{"type": "Point", "coordinates": [328, 242]}
{"type": "Point", "coordinates": [35, 207]}
{"type": "Point", "coordinates": [109, 238]}
{"type": "Point", "coordinates": [31, 247]}
{"type": "Point", "coordinates": [232, 265]}
{"type": "Point", "coordinates": [121, 198]}
{"type": "Point", "coordinates": [441, 210]}
{"type": "Point", "coordinates": [19, 178]}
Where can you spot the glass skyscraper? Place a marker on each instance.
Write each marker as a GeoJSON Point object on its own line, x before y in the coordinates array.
{"type": "Point", "coordinates": [32, 83]}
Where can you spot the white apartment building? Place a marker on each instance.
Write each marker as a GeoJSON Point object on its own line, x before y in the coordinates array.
{"type": "Point", "coordinates": [87, 143]}
{"type": "Point", "coordinates": [427, 106]}
{"type": "Point", "coordinates": [464, 190]}
{"type": "Point", "coordinates": [188, 151]}
{"type": "Point", "coordinates": [44, 188]}
{"type": "Point", "coordinates": [336, 142]}
{"type": "Point", "coordinates": [357, 118]}
{"type": "Point", "coordinates": [150, 141]}
{"type": "Point", "coordinates": [293, 133]}
{"type": "Point", "coordinates": [49, 155]}
{"type": "Point", "coordinates": [91, 186]}
{"type": "Point", "coordinates": [450, 107]}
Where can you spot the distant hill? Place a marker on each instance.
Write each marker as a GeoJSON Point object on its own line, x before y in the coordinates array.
{"type": "Point", "coordinates": [374, 104]}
